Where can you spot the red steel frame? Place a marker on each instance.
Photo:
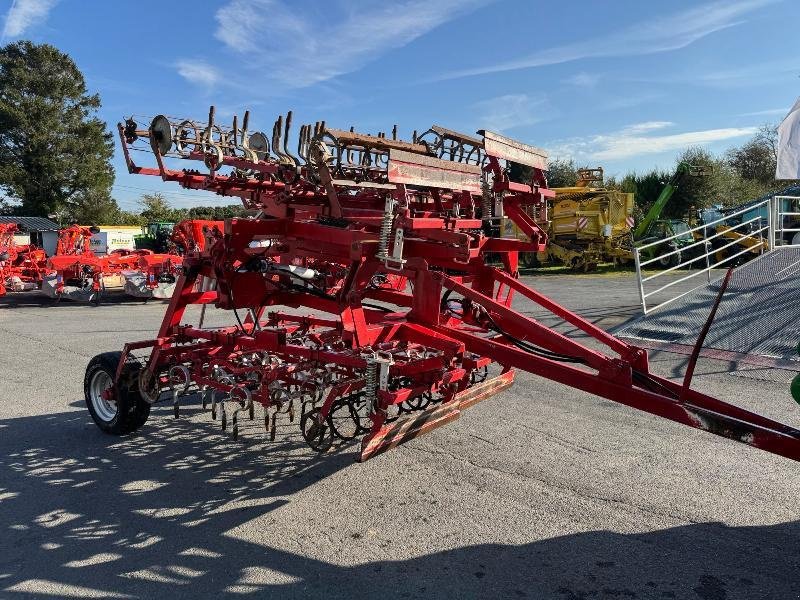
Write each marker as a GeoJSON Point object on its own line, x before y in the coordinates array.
{"type": "Point", "coordinates": [404, 343]}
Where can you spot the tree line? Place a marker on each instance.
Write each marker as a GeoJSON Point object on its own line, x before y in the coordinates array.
{"type": "Point", "coordinates": [154, 207]}
{"type": "Point", "coordinates": [740, 174]}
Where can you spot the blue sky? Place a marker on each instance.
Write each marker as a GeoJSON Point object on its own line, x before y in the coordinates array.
{"type": "Point", "coordinates": [621, 84]}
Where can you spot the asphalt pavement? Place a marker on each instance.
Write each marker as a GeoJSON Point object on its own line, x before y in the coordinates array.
{"type": "Point", "coordinates": [540, 492]}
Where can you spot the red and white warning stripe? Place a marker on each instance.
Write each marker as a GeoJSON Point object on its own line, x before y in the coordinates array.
{"type": "Point", "coordinates": [582, 222]}
{"type": "Point", "coordinates": [629, 221]}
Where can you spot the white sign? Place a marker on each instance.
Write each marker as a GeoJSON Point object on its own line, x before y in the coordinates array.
{"type": "Point", "coordinates": [106, 242]}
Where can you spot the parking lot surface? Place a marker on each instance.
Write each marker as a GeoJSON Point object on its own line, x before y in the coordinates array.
{"type": "Point", "coordinates": [540, 492]}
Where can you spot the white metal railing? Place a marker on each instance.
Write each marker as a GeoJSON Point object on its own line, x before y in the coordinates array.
{"type": "Point", "coordinates": [785, 212]}
{"type": "Point", "coordinates": [754, 234]}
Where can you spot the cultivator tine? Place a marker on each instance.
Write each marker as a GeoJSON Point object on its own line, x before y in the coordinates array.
{"type": "Point", "coordinates": [276, 137]}
{"type": "Point", "coordinates": [292, 160]}
{"type": "Point", "coordinates": [180, 379]}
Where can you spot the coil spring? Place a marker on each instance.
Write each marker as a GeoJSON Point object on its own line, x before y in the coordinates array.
{"type": "Point", "coordinates": [371, 383]}
{"type": "Point", "coordinates": [486, 206]}
{"type": "Point", "coordinates": [386, 229]}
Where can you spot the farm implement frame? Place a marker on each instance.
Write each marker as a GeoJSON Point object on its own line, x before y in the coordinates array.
{"type": "Point", "coordinates": [365, 298]}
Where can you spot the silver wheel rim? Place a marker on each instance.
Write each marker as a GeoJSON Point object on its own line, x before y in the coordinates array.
{"type": "Point", "coordinates": [105, 409]}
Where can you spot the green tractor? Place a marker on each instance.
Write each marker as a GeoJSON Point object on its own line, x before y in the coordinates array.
{"type": "Point", "coordinates": [652, 229]}
{"type": "Point", "coordinates": [677, 229]}
{"type": "Point", "coordinates": [155, 236]}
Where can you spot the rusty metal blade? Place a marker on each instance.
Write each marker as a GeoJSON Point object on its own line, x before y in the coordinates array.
{"type": "Point", "coordinates": [416, 169]}
{"type": "Point", "coordinates": [457, 136]}
{"type": "Point", "coordinates": [508, 149]}
{"type": "Point", "coordinates": [484, 390]}
{"type": "Point", "coordinates": [352, 138]}
{"type": "Point", "coordinates": [403, 430]}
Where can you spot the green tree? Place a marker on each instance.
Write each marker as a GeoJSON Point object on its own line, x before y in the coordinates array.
{"type": "Point", "coordinates": [54, 152]}
{"type": "Point", "coordinates": [215, 213]}
{"type": "Point", "coordinates": [756, 160]}
{"type": "Point", "coordinates": [560, 173]}
{"type": "Point", "coordinates": [695, 192]}
{"type": "Point", "coordinates": [155, 208]}
{"type": "Point", "coordinates": [124, 217]}
{"type": "Point", "coordinates": [646, 188]}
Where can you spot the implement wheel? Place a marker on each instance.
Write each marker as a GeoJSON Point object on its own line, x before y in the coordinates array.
{"type": "Point", "coordinates": [119, 409]}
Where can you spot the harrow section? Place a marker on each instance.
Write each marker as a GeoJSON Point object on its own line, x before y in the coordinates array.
{"type": "Point", "coordinates": [365, 297]}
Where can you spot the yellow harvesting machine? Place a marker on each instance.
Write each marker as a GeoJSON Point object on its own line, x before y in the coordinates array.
{"type": "Point", "coordinates": [588, 225]}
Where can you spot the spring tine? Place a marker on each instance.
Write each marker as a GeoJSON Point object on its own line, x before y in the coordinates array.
{"type": "Point", "coordinates": [273, 427]}
{"type": "Point", "coordinates": [266, 419]}
{"type": "Point", "coordinates": [235, 129]}
{"type": "Point", "coordinates": [245, 123]}
{"type": "Point", "coordinates": [301, 140]}
{"type": "Point", "coordinates": [414, 137]}
{"type": "Point", "coordinates": [209, 129]}
{"type": "Point", "coordinates": [276, 137]}
{"type": "Point", "coordinates": [286, 133]}
{"type": "Point", "coordinates": [291, 410]}
{"type": "Point", "coordinates": [394, 132]}
{"type": "Point", "coordinates": [290, 157]}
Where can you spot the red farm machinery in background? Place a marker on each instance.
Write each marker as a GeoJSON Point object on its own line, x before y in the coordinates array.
{"type": "Point", "coordinates": [361, 298]}
{"type": "Point", "coordinates": [77, 273]}
{"type": "Point", "coordinates": [21, 266]}
{"type": "Point", "coordinates": [157, 273]}
{"type": "Point", "coordinates": [74, 272]}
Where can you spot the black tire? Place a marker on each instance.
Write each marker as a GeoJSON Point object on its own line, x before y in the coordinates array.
{"type": "Point", "coordinates": [130, 411]}
{"type": "Point", "coordinates": [529, 260]}
{"type": "Point", "coordinates": [669, 261]}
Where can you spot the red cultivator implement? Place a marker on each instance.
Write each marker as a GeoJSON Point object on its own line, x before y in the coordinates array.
{"type": "Point", "coordinates": [74, 272]}
{"type": "Point", "coordinates": [403, 321]}
{"type": "Point", "coordinates": [21, 266]}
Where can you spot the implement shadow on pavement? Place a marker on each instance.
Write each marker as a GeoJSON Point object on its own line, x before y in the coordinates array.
{"type": "Point", "coordinates": [40, 300]}
{"type": "Point", "coordinates": [151, 515]}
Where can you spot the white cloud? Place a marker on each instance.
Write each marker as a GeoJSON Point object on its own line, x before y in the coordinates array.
{"type": "Point", "coordinates": [510, 111]}
{"type": "Point", "coordinates": [635, 141]}
{"type": "Point", "coordinates": [584, 79]}
{"type": "Point", "coordinates": [638, 128]}
{"type": "Point", "coordinates": [24, 14]}
{"type": "Point", "coordinates": [197, 72]}
{"type": "Point", "coordinates": [300, 49]}
{"type": "Point", "coordinates": [766, 113]}
{"type": "Point", "coordinates": [655, 35]}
